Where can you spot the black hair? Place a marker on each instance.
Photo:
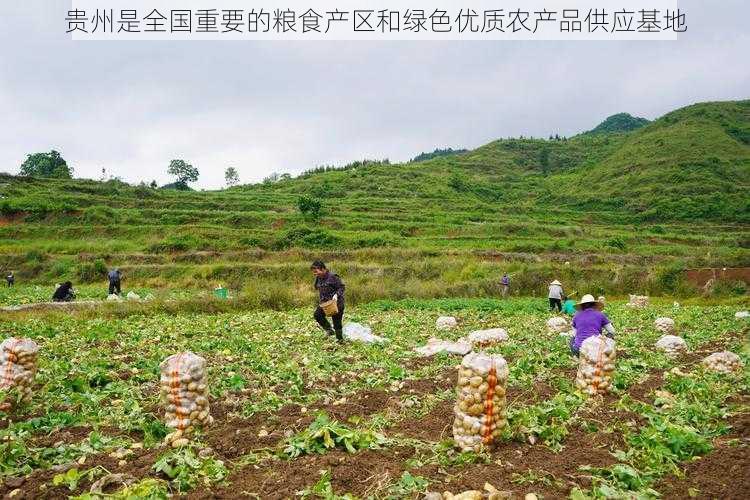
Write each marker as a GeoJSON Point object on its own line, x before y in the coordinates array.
{"type": "Point", "coordinates": [588, 305]}
{"type": "Point", "coordinates": [318, 264]}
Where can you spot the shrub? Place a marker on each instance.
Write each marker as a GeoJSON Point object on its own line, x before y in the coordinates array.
{"type": "Point", "coordinates": [309, 207]}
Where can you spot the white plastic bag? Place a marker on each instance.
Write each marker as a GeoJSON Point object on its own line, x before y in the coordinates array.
{"type": "Point", "coordinates": [435, 346]}
{"type": "Point", "coordinates": [446, 323]}
{"type": "Point", "coordinates": [672, 345]}
{"type": "Point", "coordinates": [355, 331]}
{"type": "Point", "coordinates": [558, 324]}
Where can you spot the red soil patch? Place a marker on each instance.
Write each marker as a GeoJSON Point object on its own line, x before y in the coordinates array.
{"type": "Point", "coordinates": [700, 277]}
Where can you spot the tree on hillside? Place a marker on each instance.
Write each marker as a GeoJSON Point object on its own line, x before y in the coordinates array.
{"type": "Point", "coordinates": [231, 176]}
{"type": "Point", "coordinates": [309, 207]}
{"type": "Point", "coordinates": [544, 160]}
{"type": "Point", "coordinates": [184, 172]}
{"type": "Point", "coordinates": [46, 165]}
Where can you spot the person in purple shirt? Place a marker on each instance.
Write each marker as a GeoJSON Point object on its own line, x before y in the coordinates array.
{"type": "Point", "coordinates": [589, 321]}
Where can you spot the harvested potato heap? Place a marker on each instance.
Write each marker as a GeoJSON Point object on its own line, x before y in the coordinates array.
{"type": "Point", "coordinates": [672, 345]}
{"type": "Point", "coordinates": [723, 362]}
{"type": "Point", "coordinates": [486, 338]}
{"type": "Point", "coordinates": [638, 301]}
{"type": "Point", "coordinates": [558, 324]}
{"type": "Point", "coordinates": [446, 323]}
{"type": "Point", "coordinates": [18, 363]}
{"type": "Point", "coordinates": [664, 325]}
{"type": "Point", "coordinates": [596, 365]}
{"type": "Point", "coordinates": [480, 414]}
{"type": "Point", "coordinates": [184, 390]}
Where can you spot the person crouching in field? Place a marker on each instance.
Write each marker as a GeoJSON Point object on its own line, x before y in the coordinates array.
{"type": "Point", "coordinates": [589, 321]}
{"type": "Point", "coordinates": [64, 293]}
{"type": "Point", "coordinates": [329, 285]}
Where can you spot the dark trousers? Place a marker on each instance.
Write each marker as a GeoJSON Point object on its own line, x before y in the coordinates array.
{"type": "Point", "coordinates": [320, 317]}
{"type": "Point", "coordinates": [114, 287]}
{"type": "Point", "coordinates": [575, 352]}
{"type": "Point", "coordinates": [10, 283]}
{"type": "Point", "coordinates": [555, 304]}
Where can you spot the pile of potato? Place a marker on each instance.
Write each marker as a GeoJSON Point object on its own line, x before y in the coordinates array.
{"type": "Point", "coordinates": [723, 362]}
{"type": "Point", "coordinates": [486, 338]}
{"type": "Point", "coordinates": [18, 365]}
{"type": "Point", "coordinates": [638, 301]}
{"type": "Point", "coordinates": [672, 345]}
{"type": "Point", "coordinates": [597, 365]}
{"type": "Point", "coordinates": [185, 393]}
{"type": "Point", "coordinates": [480, 410]}
{"type": "Point", "coordinates": [558, 324]}
{"type": "Point", "coordinates": [664, 325]}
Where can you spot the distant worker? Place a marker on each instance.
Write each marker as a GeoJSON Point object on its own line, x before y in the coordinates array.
{"type": "Point", "coordinates": [568, 304]}
{"type": "Point", "coordinates": [10, 279]}
{"type": "Point", "coordinates": [555, 296]}
{"type": "Point", "coordinates": [64, 293]}
{"type": "Point", "coordinates": [589, 321]}
{"type": "Point", "coordinates": [602, 301]}
{"type": "Point", "coordinates": [329, 287]}
{"type": "Point", "coordinates": [505, 282]}
{"type": "Point", "coordinates": [115, 277]}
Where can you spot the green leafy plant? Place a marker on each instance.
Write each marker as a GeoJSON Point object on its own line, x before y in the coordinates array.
{"type": "Point", "coordinates": [186, 470]}
{"type": "Point", "coordinates": [324, 434]}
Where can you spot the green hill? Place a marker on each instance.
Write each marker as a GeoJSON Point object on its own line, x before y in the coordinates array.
{"type": "Point", "coordinates": [626, 209]}
{"type": "Point", "coordinates": [621, 122]}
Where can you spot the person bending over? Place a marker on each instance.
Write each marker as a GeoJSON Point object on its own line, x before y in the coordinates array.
{"type": "Point", "coordinates": [64, 293]}
{"type": "Point", "coordinates": [329, 285]}
{"type": "Point", "coordinates": [589, 321]}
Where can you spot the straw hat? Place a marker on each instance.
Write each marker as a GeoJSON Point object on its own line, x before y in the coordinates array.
{"type": "Point", "coordinates": [555, 283]}
{"type": "Point", "coordinates": [588, 299]}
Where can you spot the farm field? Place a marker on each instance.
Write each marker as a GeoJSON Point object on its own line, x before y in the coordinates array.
{"type": "Point", "coordinates": [296, 415]}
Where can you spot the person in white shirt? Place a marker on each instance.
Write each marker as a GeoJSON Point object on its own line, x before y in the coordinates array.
{"type": "Point", "coordinates": [555, 296]}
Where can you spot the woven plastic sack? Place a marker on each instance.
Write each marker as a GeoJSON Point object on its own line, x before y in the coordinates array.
{"type": "Point", "coordinates": [114, 297]}
{"type": "Point", "coordinates": [486, 338]}
{"type": "Point", "coordinates": [355, 331]}
{"type": "Point", "coordinates": [742, 314]}
{"type": "Point", "coordinates": [185, 394]}
{"type": "Point", "coordinates": [638, 301]}
{"type": "Point", "coordinates": [672, 345]}
{"type": "Point", "coordinates": [664, 325]}
{"type": "Point", "coordinates": [558, 324]}
{"type": "Point", "coordinates": [596, 365]}
{"type": "Point", "coordinates": [435, 346]}
{"type": "Point", "coordinates": [723, 362]}
{"type": "Point", "coordinates": [18, 366]}
{"type": "Point", "coordinates": [446, 323]}
{"type": "Point", "coordinates": [480, 409]}
{"type": "Point", "coordinates": [133, 296]}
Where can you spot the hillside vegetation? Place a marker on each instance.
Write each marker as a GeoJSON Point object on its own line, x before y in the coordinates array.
{"type": "Point", "coordinates": [627, 211]}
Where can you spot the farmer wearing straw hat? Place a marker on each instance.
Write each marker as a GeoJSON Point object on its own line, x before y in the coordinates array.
{"type": "Point", "coordinates": [329, 285]}
{"type": "Point", "coordinates": [555, 296]}
{"type": "Point", "coordinates": [589, 321]}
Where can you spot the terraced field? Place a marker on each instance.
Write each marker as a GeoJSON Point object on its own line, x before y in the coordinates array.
{"type": "Point", "coordinates": [297, 415]}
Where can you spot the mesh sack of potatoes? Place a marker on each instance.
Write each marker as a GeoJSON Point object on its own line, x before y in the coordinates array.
{"type": "Point", "coordinates": [18, 364]}
{"type": "Point", "coordinates": [672, 345]}
{"type": "Point", "coordinates": [637, 301]}
{"type": "Point", "coordinates": [446, 323]}
{"type": "Point", "coordinates": [185, 393]}
{"type": "Point", "coordinates": [486, 338]}
{"type": "Point", "coordinates": [480, 410]}
{"type": "Point", "coordinates": [723, 362]}
{"type": "Point", "coordinates": [664, 325]}
{"type": "Point", "coordinates": [596, 365]}
{"type": "Point", "coordinates": [558, 324]}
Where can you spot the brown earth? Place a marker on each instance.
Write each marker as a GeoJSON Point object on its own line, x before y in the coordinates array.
{"type": "Point", "coordinates": [700, 277]}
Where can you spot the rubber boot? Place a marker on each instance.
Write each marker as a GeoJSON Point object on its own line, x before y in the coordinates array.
{"type": "Point", "coordinates": [339, 336]}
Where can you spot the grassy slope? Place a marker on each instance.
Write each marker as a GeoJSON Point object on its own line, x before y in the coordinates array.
{"type": "Point", "coordinates": [671, 193]}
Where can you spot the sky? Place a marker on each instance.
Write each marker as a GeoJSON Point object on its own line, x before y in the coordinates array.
{"type": "Point", "coordinates": [281, 106]}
